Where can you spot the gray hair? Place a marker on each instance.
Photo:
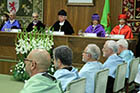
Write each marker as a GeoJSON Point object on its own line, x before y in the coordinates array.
{"type": "Point", "coordinates": [94, 50]}
{"type": "Point", "coordinates": [112, 45]}
{"type": "Point", "coordinates": [123, 43]}
{"type": "Point", "coordinates": [64, 54]}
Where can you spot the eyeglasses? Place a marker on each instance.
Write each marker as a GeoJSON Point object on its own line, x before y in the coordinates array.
{"type": "Point", "coordinates": [25, 59]}
{"type": "Point", "coordinates": [85, 52]}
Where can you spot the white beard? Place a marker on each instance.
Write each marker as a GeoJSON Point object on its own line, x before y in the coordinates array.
{"type": "Point", "coordinates": [84, 60]}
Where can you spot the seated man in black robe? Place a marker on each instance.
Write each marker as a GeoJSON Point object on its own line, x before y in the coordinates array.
{"type": "Point", "coordinates": [62, 25]}
{"type": "Point", "coordinates": [35, 23]}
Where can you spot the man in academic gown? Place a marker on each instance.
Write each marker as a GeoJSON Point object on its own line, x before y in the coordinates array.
{"type": "Point", "coordinates": [63, 63]}
{"type": "Point", "coordinates": [12, 23]}
{"type": "Point", "coordinates": [125, 54]}
{"type": "Point", "coordinates": [95, 27]}
{"type": "Point", "coordinates": [110, 50]}
{"type": "Point", "coordinates": [122, 28]}
{"type": "Point", "coordinates": [91, 56]}
{"type": "Point", "coordinates": [35, 23]}
{"type": "Point", "coordinates": [62, 25]}
{"type": "Point", "coordinates": [37, 63]}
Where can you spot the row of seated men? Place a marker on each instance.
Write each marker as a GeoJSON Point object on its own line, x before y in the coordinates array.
{"type": "Point", "coordinates": [38, 61]}
{"type": "Point", "coordinates": [63, 25]}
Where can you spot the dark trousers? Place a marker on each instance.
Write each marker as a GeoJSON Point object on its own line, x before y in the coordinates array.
{"type": "Point", "coordinates": [110, 84]}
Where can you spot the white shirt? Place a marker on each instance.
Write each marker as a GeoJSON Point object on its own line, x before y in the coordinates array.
{"type": "Point", "coordinates": [12, 21]}
{"type": "Point", "coordinates": [121, 26]}
{"type": "Point", "coordinates": [61, 23]}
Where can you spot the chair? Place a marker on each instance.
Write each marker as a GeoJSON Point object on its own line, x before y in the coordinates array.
{"type": "Point", "coordinates": [133, 72]}
{"type": "Point", "coordinates": [101, 81]}
{"type": "Point", "coordinates": [119, 82]}
{"type": "Point", "coordinates": [76, 86]}
{"type": "Point", "coordinates": [137, 79]}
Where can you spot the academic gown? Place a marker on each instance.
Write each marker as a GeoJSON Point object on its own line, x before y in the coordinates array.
{"type": "Point", "coordinates": [41, 84]}
{"type": "Point", "coordinates": [8, 25]}
{"type": "Point", "coordinates": [99, 30]}
{"type": "Point", "coordinates": [126, 31]}
{"type": "Point", "coordinates": [112, 63]}
{"type": "Point", "coordinates": [89, 71]}
{"type": "Point", "coordinates": [67, 28]}
{"type": "Point", "coordinates": [39, 25]}
{"type": "Point", "coordinates": [66, 76]}
{"type": "Point", "coordinates": [127, 56]}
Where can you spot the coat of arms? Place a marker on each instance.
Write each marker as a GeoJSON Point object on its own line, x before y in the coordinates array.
{"type": "Point", "coordinates": [13, 5]}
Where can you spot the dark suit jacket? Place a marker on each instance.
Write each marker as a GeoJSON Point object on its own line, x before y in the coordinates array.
{"type": "Point", "coordinates": [39, 25]}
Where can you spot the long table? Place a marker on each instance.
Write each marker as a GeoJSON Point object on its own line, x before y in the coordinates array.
{"type": "Point", "coordinates": [9, 85]}
{"type": "Point", "coordinates": [76, 43]}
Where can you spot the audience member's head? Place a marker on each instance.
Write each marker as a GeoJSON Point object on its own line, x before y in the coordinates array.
{"type": "Point", "coordinates": [63, 56]}
{"type": "Point", "coordinates": [123, 45]}
{"type": "Point", "coordinates": [37, 61]}
{"type": "Point", "coordinates": [35, 16]}
{"type": "Point", "coordinates": [91, 53]}
{"type": "Point", "coordinates": [62, 15]}
{"type": "Point", "coordinates": [95, 19]}
{"type": "Point", "coordinates": [12, 15]}
{"type": "Point", "coordinates": [110, 47]}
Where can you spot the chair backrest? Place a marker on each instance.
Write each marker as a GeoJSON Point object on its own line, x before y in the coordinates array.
{"type": "Point", "coordinates": [120, 77]}
{"type": "Point", "coordinates": [133, 69]}
{"type": "Point", "coordinates": [101, 81]}
{"type": "Point", "coordinates": [76, 86]}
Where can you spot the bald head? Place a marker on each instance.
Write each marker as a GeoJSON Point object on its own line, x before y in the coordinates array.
{"type": "Point", "coordinates": [12, 15]}
{"type": "Point", "coordinates": [41, 57]}
{"type": "Point", "coordinates": [35, 16]}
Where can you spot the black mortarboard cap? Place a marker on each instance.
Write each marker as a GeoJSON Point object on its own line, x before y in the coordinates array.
{"type": "Point", "coordinates": [62, 12]}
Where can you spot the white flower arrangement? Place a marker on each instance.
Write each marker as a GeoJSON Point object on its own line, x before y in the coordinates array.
{"type": "Point", "coordinates": [25, 43]}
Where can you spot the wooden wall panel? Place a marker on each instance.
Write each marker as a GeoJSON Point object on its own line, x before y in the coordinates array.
{"type": "Point", "coordinates": [115, 10]}
{"type": "Point", "coordinates": [76, 43]}
{"type": "Point", "coordinates": [5, 67]}
{"type": "Point", "coordinates": [79, 16]}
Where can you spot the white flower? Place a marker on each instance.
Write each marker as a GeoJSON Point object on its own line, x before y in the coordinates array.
{"type": "Point", "coordinates": [24, 69]}
{"type": "Point", "coordinates": [27, 43]}
{"type": "Point", "coordinates": [52, 69]}
{"type": "Point", "coordinates": [11, 70]}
